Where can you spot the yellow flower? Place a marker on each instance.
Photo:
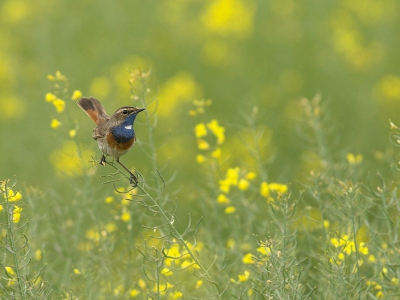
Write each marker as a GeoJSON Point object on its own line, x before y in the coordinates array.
{"type": "Point", "coordinates": [354, 159]}
{"type": "Point", "coordinates": [167, 272]}
{"type": "Point", "coordinates": [200, 158]}
{"type": "Point", "coordinates": [363, 249]}
{"type": "Point", "coordinates": [224, 186]}
{"type": "Point", "coordinates": [244, 277]}
{"type": "Point", "coordinates": [76, 95]}
{"type": "Point", "coordinates": [203, 145]}
{"type": "Point", "coordinates": [248, 259]}
{"type": "Point", "coordinates": [55, 123]}
{"type": "Point", "coordinates": [1, 208]}
{"type": "Point", "coordinates": [17, 214]}
{"type": "Point", "coordinates": [341, 256]}
{"type": "Point", "coordinates": [199, 283]}
{"type": "Point", "coordinates": [217, 130]}
{"type": "Point", "coordinates": [126, 217]}
{"type": "Point", "coordinates": [189, 263]}
{"type": "Point", "coordinates": [142, 284]}
{"type": "Point", "coordinates": [133, 293]}
{"type": "Point", "coordinates": [385, 270]}
{"type": "Point", "coordinates": [111, 227]}
{"type": "Point", "coordinates": [264, 189]}
{"type": "Point", "coordinates": [175, 295]}
{"type": "Point", "coordinates": [13, 197]}
{"type": "Point", "coordinates": [77, 272]}
{"type": "Point", "coordinates": [59, 105]}
{"type": "Point", "coordinates": [200, 130]}
{"type": "Point", "coordinates": [50, 97]}
{"type": "Point", "coordinates": [38, 254]}
{"type": "Point", "coordinates": [51, 77]}
{"type": "Point", "coordinates": [251, 175]}
{"type": "Point", "coordinates": [278, 187]}
{"type": "Point", "coordinates": [326, 224]}
{"type": "Point", "coordinates": [10, 272]}
{"type": "Point", "coordinates": [372, 258]}
{"type": "Point", "coordinates": [223, 199]}
{"type": "Point", "coordinates": [109, 199]}
{"type": "Point", "coordinates": [216, 153]}
{"type": "Point", "coordinates": [243, 184]}
{"type": "Point", "coordinates": [230, 210]}
{"type": "Point", "coordinates": [72, 133]}
{"type": "Point", "coordinates": [380, 294]}
{"type": "Point", "coordinates": [394, 281]}
{"type": "Point", "coordinates": [230, 244]}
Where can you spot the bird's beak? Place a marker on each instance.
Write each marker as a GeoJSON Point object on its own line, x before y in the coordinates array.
{"type": "Point", "coordinates": [140, 109]}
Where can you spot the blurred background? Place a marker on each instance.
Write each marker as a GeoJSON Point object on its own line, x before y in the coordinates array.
{"type": "Point", "coordinates": [240, 54]}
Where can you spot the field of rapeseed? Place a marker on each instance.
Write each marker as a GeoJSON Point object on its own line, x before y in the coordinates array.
{"type": "Point", "coordinates": [267, 156]}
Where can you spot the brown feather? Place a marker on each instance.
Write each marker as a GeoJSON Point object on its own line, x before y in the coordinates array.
{"type": "Point", "coordinates": [93, 108]}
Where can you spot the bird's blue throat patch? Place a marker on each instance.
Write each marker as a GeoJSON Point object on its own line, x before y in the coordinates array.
{"type": "Point", "coordinates": [124, 132]}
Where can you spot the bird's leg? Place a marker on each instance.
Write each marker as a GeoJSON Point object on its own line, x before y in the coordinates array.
{"type": "Point", "coordinates": [134, 179]}
{"type": "Point", "coordinates": [103, 160]}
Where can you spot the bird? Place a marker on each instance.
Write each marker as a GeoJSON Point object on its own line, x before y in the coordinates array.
{"type": "Point", "coordinates": [114, 134]}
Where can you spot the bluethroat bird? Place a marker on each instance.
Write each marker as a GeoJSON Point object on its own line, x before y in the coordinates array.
{"type": "Point", "coordinates": [115, 134]}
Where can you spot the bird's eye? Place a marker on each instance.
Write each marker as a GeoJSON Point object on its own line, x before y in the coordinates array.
{"type": "Point", "coordinates": [124, 111]}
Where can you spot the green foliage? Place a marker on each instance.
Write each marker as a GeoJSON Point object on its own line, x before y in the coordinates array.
{"type": "Point", "coordinates": [247, 189]}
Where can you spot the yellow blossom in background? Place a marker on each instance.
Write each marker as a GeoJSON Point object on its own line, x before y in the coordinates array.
{"type": "Point", "coordinates": [119, 290]}
{"type": "Point", "coordinates": [17, 214]}
{"type": "Point", "coordinates": [77, 272]}
{"type": "Point", "coordinates": [244, 277]}
{"type": "Point", "coordinates": [199, 283]}
{"type": "Point", "coordinates": [10, 271]}
{"type": "Point", "coordinates": [142, 284]}
{"type": "Point", "coordinates": [200, 158]}
{"type": "Point", "coordinates": [126, 217]}
{"type": "Point", "coordinates": [326, 224]}
{"type": "Point", "coordinates": [175, 295]}
{"type": "Point", "coordinates": [394, 281]}
{"type": "Point", "coordinates": [203, 145]}
{"type": "Point", "coordinates": [1, 208]}
{"type": "Point", "coordinates": [216, 153]}
{"type": "Point", "coordinates": [264, 190]}
{"type": "Point", "coordinates": [55, 123]}
{"type": "Point", "coordinates": [229, 17]}
{"type": "Point", "coordinates": [341, 256]}
{"type": "Point", "coordinates": [266, 251]}
{"type": "Point", "coordinates": [251, 175]}
{"type": "Point", "coordinates": [72, 133]}
{"type": "Point", "coordinates": [59, 105]}
{"type": "Point", "coordinates": [50, 97]}
{"type": "Point", "coordinates": [111, 227]}
{"type": "Point", "coordinates": [133, 293]}
{"type": "Point", "coordinates": [93, 235]}
{"type": "Point", "coordinates": [67, 162]}
{"type": "Point", "coordinates": [224, 186]}
{"type": "Point", "coordinates": [389, 87]}
{"type": "Point", "coordinates": [371, 258]}
{"type": "Point", "coordinates": [230, 210]}
{"type": "Point", "coordinates": [167, 272]}
{"type": "Point", "coordinates": [223, 199]}
{"type": "Point", "coordinates": [109, 199]}
{"type": "Point", "coordinates": [189, 264]}
{"type": "Point", "coordinates": [230, 244]}
{"type": "Point", "coordinates": [248, 259]}
{"type": "Point", "coordinates": [200, 130]}
{"type": "Point", "coordinates": [11, 107]}
{"type": "Point", "coordinates": [100, 87]}
{"type": "Point", "coordinates": [76, 95]}
{"type": "Point", "coordinates": [243, 184]}
{"type": "Point", "coordinates": [38, 254]}
{"type": "Point", "coordinates": [354, 159]}
{"type": "Point", "coordinates": [179, 88]}
{"type": "Point", "coordinates": [217, 130]}
{"type": "Point", "coordinates": [278, 187]}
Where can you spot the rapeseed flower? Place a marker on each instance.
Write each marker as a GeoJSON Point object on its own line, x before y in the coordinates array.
{"type": "Point", "coordinates": [55, 123]}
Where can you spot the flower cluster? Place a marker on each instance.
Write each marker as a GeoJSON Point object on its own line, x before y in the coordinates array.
{"type": "Point", "coordinates": [217, 132]}
{"type": "Point", "coordinates": [346, 247]}
{"type": "Point", "coordinates": [11, 196]}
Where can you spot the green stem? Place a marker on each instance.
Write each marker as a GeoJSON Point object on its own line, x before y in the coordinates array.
{"type": "Point", "coordinates": [179, 237]}
{"type": "Point", "coordinates": [11, 242]}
